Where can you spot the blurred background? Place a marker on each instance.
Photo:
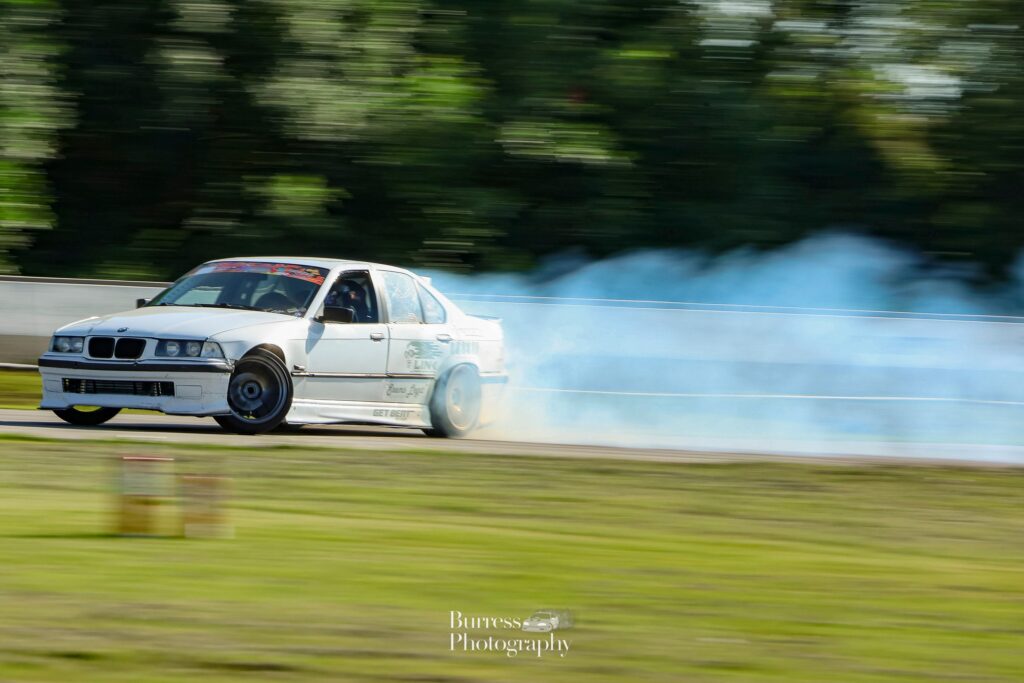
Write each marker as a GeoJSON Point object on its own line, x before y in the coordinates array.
{"type": "Point", "coordinates": [729, 228]}
{"type": "Point", "coordinates": [140, 138]}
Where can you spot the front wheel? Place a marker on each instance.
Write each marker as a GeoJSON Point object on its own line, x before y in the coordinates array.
{"type": "Point", "coordinates": [88, 418]}
{"type": "Point", "coordinates": [455, 405]}
{"type": "Point", "coordinates": [259, 394]}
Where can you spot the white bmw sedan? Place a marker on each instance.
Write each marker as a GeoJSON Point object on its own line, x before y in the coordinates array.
{"type": "Point", "coordinates": [258, 343]}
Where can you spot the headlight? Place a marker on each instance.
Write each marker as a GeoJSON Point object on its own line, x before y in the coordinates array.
{"type": "Point", "coordinates": [212, 350]}
{"type": "Point", "coordinates": [67, 344]}
{"type": "Point", "coordinates": [188, 348]}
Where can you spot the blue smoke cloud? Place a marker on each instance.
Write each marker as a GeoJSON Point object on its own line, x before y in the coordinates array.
{"type": "Point", "coordinates": [837, 344]}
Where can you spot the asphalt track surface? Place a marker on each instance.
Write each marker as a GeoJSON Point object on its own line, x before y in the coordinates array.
{"type": "Point", "coordinates": [168, 430]}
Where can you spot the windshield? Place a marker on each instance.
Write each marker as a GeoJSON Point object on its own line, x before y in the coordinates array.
{"type": "Point", "coordinates": [285, 288]}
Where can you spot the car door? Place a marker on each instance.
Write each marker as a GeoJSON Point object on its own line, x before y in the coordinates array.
{"type": "Point", "coordinates": [348, 361]}
{"type": "Point", "coordinates": [420, 338]}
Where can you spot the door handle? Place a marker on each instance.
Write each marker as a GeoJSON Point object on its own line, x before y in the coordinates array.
{"type": "Point", "coordinates": [377, 336]}
{"type": "Point", "coordinates": [443, 337]}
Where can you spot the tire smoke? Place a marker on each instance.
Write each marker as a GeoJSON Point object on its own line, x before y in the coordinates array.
{"type": "Point", "coordinates": [837, 344]}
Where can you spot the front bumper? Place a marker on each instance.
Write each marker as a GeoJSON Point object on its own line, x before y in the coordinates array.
{"type": "Point", "coordinates": [197, 387]}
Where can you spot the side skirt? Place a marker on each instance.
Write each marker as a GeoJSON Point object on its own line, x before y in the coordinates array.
{"type": "Point", "coordinates": [305, 411]}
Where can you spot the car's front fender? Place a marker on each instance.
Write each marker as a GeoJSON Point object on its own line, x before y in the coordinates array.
{"type": "Point", "coordinates": [287, 339]}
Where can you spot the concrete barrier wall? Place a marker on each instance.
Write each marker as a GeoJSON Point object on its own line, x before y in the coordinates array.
{"type": "Point", "coordinates": [32, 308]}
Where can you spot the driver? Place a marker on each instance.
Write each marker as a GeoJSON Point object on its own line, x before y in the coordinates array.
{"type": "Point", "coordinates": [350, 294]}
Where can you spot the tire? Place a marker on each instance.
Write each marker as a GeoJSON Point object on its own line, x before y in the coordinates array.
{"type": "Point", "coordinates": [455, 404]}
{"type": "Point", "coordinates": [259, 394]}
{"type": "Point", "coordinates": [87, 418]}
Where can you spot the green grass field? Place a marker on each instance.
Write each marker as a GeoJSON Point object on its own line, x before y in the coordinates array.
{"type": "Point", "coordinates": [20, 388]}
{"type": "Point", "coordinates": [345, 566]}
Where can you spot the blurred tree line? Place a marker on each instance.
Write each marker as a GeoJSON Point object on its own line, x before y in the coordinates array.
{"type": "Point", "coordinates": [138, 137]}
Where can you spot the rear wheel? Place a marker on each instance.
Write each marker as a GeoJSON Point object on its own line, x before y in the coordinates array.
{"type": "Point", "coordinates": [88, 416]}
{"type": "Point", "coordinates": [455, 405]}
{"type": "Point", "coordinates": [259, 394]}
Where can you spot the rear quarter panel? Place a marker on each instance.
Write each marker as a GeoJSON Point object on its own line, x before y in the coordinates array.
{"type": "Point", "coordinates": [480, 342]}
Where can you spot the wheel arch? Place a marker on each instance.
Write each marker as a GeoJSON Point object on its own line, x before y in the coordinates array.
{"type": "Point", "coordinates": [445, 369]}
{"type": "Point", "coordinates": [272, 348]}
{"type": "Point", "coordinates": [453, 362]}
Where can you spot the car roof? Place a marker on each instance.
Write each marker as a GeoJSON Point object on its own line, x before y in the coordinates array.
{"type": "Point", "coordinates": [308, 261]}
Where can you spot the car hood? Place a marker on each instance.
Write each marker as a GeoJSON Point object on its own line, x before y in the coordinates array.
{"type": "Point", "coordinates": [186, 322]}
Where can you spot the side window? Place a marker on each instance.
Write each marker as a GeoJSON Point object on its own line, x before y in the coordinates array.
{"type": "Point", "coordinates": [354, 290]}
{"type": "Point", "coordinates": [433, 311]}
{"type": "Point", "coordinates": [403, 300]}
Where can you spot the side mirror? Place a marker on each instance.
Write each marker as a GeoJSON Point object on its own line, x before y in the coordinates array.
{"type": "Point", "coordinates": [337, 314]}
{"type": "Point", "coordinates": [139, 303]}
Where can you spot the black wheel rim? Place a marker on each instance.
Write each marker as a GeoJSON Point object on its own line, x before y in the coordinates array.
{"type": "Point", "coordinates": [256, 392]}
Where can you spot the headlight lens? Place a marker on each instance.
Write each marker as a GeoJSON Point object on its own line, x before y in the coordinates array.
{"type": "Point", "coordinates": [68, 344]}
{"type": "Point", "coordinates": [212, 350]}
{"type": "Point", "coordinates": [188, 348]}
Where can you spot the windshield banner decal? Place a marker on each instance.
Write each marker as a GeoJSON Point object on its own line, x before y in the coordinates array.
{"type": "Point", "coordinates": [292, 270]}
